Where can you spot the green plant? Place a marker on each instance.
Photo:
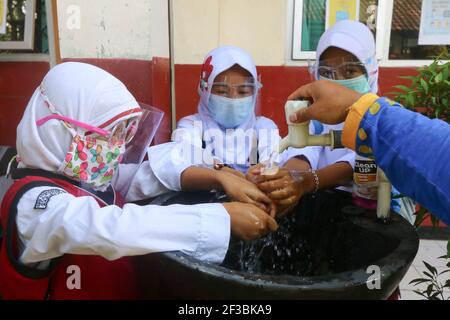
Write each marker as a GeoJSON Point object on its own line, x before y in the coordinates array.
{"type": "Point", "coordinates": [434, 285]}
{"type": "Point", "coordinates": [429, 92]}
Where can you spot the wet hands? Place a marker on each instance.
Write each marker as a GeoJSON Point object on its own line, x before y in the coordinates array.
{"type": "Point", "coordinates": [283, 187]}
{"type": "Point", "coordinates": [249, 222]}
{"type": "Point", "coordinates": [233, 172]}
{"type": "Point", "coordinates": [241, 190]}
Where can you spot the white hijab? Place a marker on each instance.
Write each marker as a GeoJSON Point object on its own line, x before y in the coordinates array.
{"type": "Point", "coordinates": [356, 38]}
{"type": "Point", "coordinates": [216, 62]}
{"type": "Point", "coordinates": [79, 91]}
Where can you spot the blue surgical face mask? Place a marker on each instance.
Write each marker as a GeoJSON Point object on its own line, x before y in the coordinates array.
{"type": "Point", "coordinates": [358, 84]}
{"type": "Point", "coordinates": [230, 113]}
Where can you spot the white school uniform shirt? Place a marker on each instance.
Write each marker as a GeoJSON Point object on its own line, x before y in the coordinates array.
{"type": "Point", "coordinates": [78, 225]}
{"type": "Point", "coordinates": [267, 135]}
{"type": "Point", "coordinates": [321, 157]}
{"type": "Point", "coordinates": [65, 224]}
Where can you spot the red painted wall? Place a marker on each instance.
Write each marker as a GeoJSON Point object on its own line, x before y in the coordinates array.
{"type": "Point", "coordinates": [278, 83]}
{"type": "Point", "coordinates": [18, 80]}
{"type": "Point", "coordinates": [389, 77]}
{"type": "Point", "coordinates": [162, 97]}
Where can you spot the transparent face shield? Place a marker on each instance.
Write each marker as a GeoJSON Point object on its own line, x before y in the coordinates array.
{"type": "Point", "coordinates": [128, 142]}
{"type": "Point", "coordinates": [237, 87]}
{"type": "Point", "coordinates": [336, 69]}
{"type": "Point", "coordinates": [136, 149]}
{"type": "Point", "coordinates": [96, 153]}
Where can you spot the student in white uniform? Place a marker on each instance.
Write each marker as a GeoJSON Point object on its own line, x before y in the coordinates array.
{"type": "Point", "coordinates": [226, 126]}
{"type": "Point", "coordinates": [63, 211]}
{"type": "Point", "coordinates": [226, 136]}
{"type": "Point", "coordinates": [346, 55]}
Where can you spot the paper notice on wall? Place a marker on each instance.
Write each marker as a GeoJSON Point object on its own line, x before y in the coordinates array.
{"type": "Point", "coordinates": [338, 10]}
{"type": "Point", "coordinates": [435, 22]}
{"type": "Point", "coordinates": [3, 7]}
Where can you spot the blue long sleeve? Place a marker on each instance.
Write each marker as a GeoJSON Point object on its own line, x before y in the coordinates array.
{"type": "Point", "coordinates": [413, 151]}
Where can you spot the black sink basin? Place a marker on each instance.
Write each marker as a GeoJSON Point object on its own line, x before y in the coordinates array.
{"type": "Point", "coordinates": [325, 249]}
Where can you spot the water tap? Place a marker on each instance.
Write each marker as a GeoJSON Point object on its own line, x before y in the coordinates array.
{"type": "Point", "coordinates": [298, 133]}
{"type": "Point", "coordinates": [299, 137]}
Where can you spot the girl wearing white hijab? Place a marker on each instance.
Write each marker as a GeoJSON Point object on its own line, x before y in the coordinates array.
{"type": "Point", "coordinates": [62, 216]}
{"type": "Point", "coordinates": [226, 132]}
{"type": "Point", "coordinates": [346, 55]}
{"type": "Point", "coordinates": [226, 126]}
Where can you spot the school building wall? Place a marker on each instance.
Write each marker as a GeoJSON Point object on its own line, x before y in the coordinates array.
{"type": "Point", "coordinates": [123, 37]}
{"type": "Point", "coordinates": [130, 39]}
{"type": "Point", "coordinates": [261, 28]}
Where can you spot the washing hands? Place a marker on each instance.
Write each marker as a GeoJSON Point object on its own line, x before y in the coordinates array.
{"type": "Point", "coordinates": [253, 214]}
{"type": "Point", "coordinates": [283, 186]}
{"type": "Point", "coordinates": [249, 222]}
{"type": "Point", "coordinates": [240, 189]}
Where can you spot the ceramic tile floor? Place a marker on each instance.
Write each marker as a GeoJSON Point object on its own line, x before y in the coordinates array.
{"type": "Point", "coordinates": [429, 251]}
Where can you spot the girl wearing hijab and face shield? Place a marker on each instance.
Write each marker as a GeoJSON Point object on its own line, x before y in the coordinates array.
{"type": "Point", "coordinates": [225, 131]}
{"type": "Point", "coordinates": [62, 217]}
{"type": "Point", "coordinates": [226, 126]}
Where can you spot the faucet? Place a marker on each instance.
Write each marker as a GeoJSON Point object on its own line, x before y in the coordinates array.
{"type": "Point", "coordinates": [299, 137]}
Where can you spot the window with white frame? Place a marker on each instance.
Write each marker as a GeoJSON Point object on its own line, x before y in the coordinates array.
{"type": "Point", "coordinates": [23, 26]}
{"type": "Point", "coordinates": [394, 23]}
{"type": "Point", "coordinates": [404, 39]}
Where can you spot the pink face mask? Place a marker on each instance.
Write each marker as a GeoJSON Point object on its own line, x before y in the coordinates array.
{"type": "Point", "coordinates": [90, 160]}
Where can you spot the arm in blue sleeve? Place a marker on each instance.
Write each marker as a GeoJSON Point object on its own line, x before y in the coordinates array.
{"type": "Point", "coordinates": [413, 151]}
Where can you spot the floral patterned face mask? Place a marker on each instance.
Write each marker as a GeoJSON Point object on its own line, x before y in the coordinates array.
{"type": "Point", "coordinates": [92, 161]}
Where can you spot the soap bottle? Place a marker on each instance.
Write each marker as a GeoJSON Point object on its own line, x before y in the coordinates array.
{"type": "Point", "coordinates": [365, 183]}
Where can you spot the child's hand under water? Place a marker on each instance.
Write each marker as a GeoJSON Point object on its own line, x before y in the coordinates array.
{"type": "Point", "coordinates": [241, 190]}
{"type": "Point", "coordinates": [281, 187]}
{"type": "Point", "coordinates": [249, 222]}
